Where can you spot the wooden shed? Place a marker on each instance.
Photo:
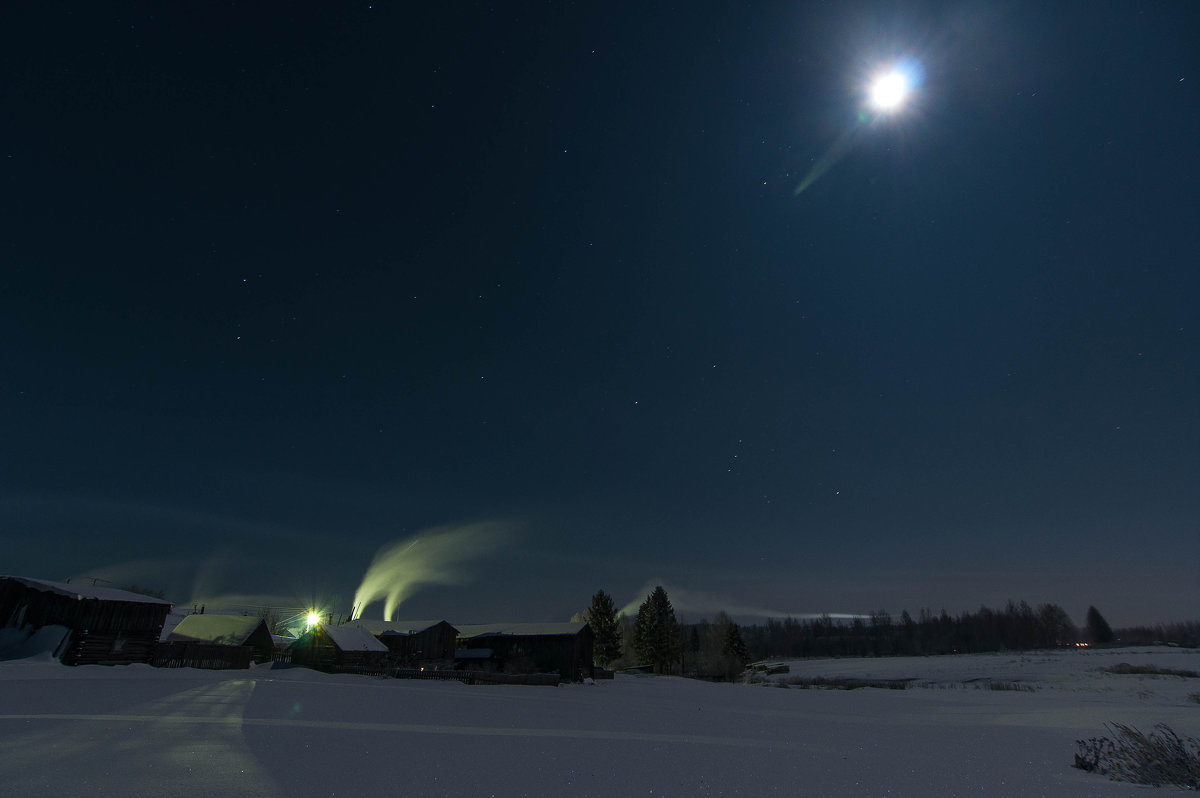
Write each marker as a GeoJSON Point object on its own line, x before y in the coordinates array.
{"type": "Point", "coordinates": [341, 648]}
{"type": "Point", "coordinates": [216, 641]}
{"type": "Point", "coordinates": [106, 626]}
{"type": "Point", "coordinates": [563, 648]}
{"type": "Point", "coordinates": [414, 643]}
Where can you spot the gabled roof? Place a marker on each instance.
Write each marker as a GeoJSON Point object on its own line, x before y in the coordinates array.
{"type": "Point", "coordinates": [396, 627]}
{"type": "Point", "coordinates": [84, 591]}
{"type": "Point", "coordinates": [352, 638]}
{"type": "Point", "coordinates": [226, 630]}
{"type": "Point", "coordinates": [468, 631]}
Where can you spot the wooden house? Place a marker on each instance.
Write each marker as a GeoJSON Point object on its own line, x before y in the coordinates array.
{"type": "Point", "coordinates": [414, 643]}
{"type": "Point", "coordinates": [215, 641]}
{"type": "Point", "coordinates": [340, 648]}
{"type": "Point", "coordinates": [283, 645]}
{"type": "Point", "coordinates": [562, 648]}
{"type": "Point", "coordinates": [103, 625]}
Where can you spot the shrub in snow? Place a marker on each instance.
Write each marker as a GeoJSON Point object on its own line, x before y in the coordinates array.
{"type": "Point", "coordinates": [1011, 687]}
{"type": "Point", "coordinates": [841, 683]}
{"type": "Point", "coordinates": [1124, 668]}
{"type": "Point", "coordinates": [1161, 758]}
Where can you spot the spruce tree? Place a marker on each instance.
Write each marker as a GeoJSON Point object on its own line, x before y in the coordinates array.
{"type": "Point", "coordinates": [602, 617]}
{"type": "Point", "coordinates": [734, 646]}
{"type": "Point", "coordinates": [656, 632]}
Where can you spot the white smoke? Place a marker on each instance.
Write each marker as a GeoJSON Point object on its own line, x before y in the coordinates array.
{"type": "Point", "coordinates": [433, 557]}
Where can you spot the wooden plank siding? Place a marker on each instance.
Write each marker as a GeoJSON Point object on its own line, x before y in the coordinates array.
{"type": "Point", "coordinates": [107, 631]}
{"type": "Point", "coordinates": [568, 655]}
{"type": "Point", "coordinates": [433, 644]}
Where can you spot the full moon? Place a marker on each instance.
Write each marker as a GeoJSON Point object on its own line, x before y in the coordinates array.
{"type": "Point", "coordinates": [889, 91]}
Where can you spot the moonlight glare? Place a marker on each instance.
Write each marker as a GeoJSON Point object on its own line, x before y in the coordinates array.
{"type": "Point", "coordinates": [889, 91]}
{"type": "Point", "coordinates": [433, 557]}
{"type": "Point", "coordinates": [887, 94]}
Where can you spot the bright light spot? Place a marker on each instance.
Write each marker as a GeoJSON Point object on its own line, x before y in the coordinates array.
{"type": "Point", "coordinates": [311, 620]}
{"type": "Point", "coordinates": [889, 91]}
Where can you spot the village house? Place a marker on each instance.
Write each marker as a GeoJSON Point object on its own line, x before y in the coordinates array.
{"type": "Point", "coordinates": [100, 625]}
{"type": "Point", "coordinates": [414, 644]}
{"type": "Point", "coordinates": [340, 648]}
{"type": "Point", "coordinates": [215, 640]}
{"type": "Point", "coordinates": [562, 648]}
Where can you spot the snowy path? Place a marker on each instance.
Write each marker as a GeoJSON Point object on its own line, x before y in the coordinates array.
{"type": "Point", "coordinates": [138, 731]}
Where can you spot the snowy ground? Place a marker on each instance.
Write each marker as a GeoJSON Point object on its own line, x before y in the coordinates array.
{"type": "Point", "coordinates": [138, 731]}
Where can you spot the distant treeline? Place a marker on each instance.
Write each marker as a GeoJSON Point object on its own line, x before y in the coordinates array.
{"type": "Point", "coordinates": [720, 650]}
{"type": "Point", "coordinates": [1016, 627]}
{"type": "Point", "coordinates": [1185, 633]}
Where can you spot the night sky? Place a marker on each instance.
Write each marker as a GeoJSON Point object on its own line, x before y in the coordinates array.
{"type": "Point", "coordinates": [284, 284]}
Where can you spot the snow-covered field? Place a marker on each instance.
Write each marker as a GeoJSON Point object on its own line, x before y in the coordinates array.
{"type": "Point", "coordinates": [139, 731]}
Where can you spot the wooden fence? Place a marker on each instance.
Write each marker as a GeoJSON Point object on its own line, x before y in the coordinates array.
{"type": "Point", "coordinates": [201, 655]}
{"type": "Point", "coordinates": [478, 677]}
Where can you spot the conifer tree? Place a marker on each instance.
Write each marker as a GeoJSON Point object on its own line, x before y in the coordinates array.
{"type": "Point", "coordinates": [656, 631]}
{"type": "Point", "coordinates": [734, 647]}
{"type": "Point", "coordinates": [602, 617]}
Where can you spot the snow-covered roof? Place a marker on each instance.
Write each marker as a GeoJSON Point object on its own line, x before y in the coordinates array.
{"type": "Point", "coordinates": [522, 629]}
{"type": "Point", "coordinates": [393, 627]}
{"type": "Point", "coordinates": [352, 638]}
{"type": "Point", "coordinates": [84, 591]}
{"type": "Point", "coordinates": [226, 630]}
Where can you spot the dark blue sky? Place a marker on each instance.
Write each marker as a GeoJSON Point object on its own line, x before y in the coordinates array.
{"type": "Point", "coordinates": [285, 284]}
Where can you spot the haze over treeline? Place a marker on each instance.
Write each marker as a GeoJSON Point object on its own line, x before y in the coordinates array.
{"type": "Point", "coordinates": [721, 648]}
{"type": "Point", "coordinates": [1018, 626]}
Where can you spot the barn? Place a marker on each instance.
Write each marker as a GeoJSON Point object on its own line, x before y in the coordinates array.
{"type": "Point", "coordinates": [106, 626]}
{"type": "Point", "coordinates": [563, 648]}
{"type": "Point", "coordinates": [215, 641]}
{"type": "Point", "coordinates": [414, 643]}
{"type": "Point", "coordinates": [340, 648]}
